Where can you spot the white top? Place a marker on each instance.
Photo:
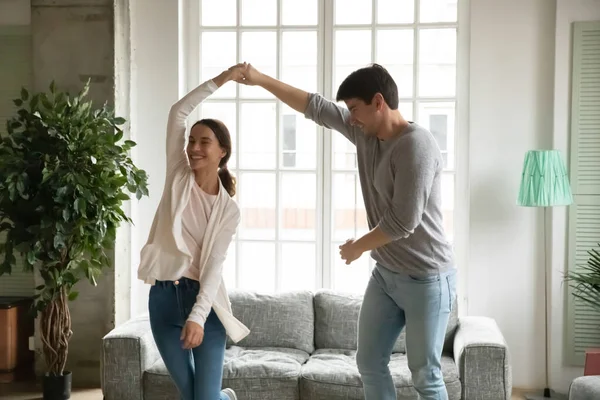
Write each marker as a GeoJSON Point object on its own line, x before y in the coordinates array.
{"type": "Point", "coordinates": [166, 255]}
{"type": "Point", "coordinates": [195, 219]}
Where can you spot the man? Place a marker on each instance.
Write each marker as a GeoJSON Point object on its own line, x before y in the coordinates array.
{"type": "Point", "coordinates": [414, 282]}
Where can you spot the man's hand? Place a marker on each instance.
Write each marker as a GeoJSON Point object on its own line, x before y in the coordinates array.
{"type": "Point", "coordinates": [192, 335]}
{"type": "Point", "coordinates": [350, 251]}
{"type": "Point", "coordinates": [251, 76]}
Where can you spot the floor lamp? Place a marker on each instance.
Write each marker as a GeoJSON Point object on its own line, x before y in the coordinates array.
{"type": "Point", "coordinates": [544, 183]}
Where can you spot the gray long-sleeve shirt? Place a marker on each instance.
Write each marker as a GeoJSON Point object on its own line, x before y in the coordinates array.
{"type": "Point", "coordinates": [401, 186]}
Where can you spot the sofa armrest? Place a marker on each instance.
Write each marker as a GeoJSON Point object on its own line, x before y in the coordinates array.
{"type": "Point", "coordinates": [482, 357]}
{"type": "Point", "coordinates": [127, 351]}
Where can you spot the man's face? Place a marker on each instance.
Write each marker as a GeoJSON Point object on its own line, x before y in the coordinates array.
{"type": "Point", "coordinates": [364, 116]}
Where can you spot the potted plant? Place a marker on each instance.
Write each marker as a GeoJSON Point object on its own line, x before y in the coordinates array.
{"type": "Point", "coordinates": [64, 175]}
{"type": "Point", "coordinates": [586, 280]}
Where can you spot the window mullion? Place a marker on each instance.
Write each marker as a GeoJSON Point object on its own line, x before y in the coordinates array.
{"type": "Point", "coordinates": [238, 52]}
{"type": "Point", "coordinates": [326, 84]}
{"type": "Point", "coordinates": [278, 176]}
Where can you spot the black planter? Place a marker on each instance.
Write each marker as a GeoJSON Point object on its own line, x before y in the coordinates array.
{"type": "Point", "coordinates": [57, 387]}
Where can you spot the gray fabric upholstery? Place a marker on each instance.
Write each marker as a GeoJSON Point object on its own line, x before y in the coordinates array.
{"type": "Point", "coordinates": [332, 374]}
{"type": "Point", "coordinates": [277, 320]}
{"type": "Point", "coordinates": [483, 359]}
{"type": "Point", "coordinates": [278, 360]}
{"type": "Point", "coordinates": [127, 351]}
{"type": "Point", "coordinates": [265, 373]}
{"type": "Point", "coordinates": [585, 388]}
{"type": "Point", "coordinates": [336, 322]}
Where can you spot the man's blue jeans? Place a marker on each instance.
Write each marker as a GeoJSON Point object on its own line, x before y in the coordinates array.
{"type": "Point", "coordinates": [391, 302]}
{"type": "Point", "coordinates": [197, 373]}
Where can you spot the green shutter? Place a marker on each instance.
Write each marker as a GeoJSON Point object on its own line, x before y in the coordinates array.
{"type": "Point", "coordinates": [583, 323]}
{"type": "Point", "coordinates": [15, 72]}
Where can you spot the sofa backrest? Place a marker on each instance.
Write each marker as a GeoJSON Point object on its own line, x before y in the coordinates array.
{"type": "Point", "coordinates": [275, 320]}
{"type": "Point", "coordinates": [336, 322]}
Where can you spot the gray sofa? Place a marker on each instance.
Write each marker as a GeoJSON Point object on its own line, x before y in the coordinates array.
{"type": "Point", "coordinates": [302, 345]}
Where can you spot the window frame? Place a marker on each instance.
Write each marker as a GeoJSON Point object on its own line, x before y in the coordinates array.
{"type": "Point", "coordinates": [189, 41]}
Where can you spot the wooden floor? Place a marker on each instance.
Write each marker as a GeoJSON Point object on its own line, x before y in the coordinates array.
{"type": "Point", "coordinates": [30, 391]}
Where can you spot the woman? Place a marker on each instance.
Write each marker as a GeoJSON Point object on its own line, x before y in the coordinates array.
{"type": "Point", "coordinates": [190, 313]}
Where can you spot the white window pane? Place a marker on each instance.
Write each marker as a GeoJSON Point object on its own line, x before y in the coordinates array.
{"type": "Point", "coordinates": [298, 206]}
{"type": "Point", "coordinates": [438, 10]}
{"type": "Point", "coordinates": [439, 118]}
{"type": "Point", "coordinates": [353, 11]}
{"type": "Point", "coordinates": [395, 53]}
{"type": "Point", "coordinates": [406, 109]}
{"type": "Point", "coordinates": [437, 69]}
{"type": "Point", "coordinates": [226, 113]}
{"type": "Point", "coordinates": [257, 135]}
{"type": "Point", "coordinates": [395, 11]}
{"type": "Point", "coordinates": [448, 204]}
{"type": "Point", "coordinates": [296, 12]}
{"type": "Point", "coordinates": [298, 140]}
{"type": "Point", "coordinates": [219, 13]}
{"type": "Point", "coordinates": [260, 50]}
{"type": "Point", "coordinates": [218, 50]}
{"type": "Point", "coordinates": [259, 12]}
{"type": "Point", "coordinates": [257, 267]}
{"type": "Point", "coordinates": [229, 267]}
{"type": "Point", "coordinates": [344, 153]}
{"type": "Point", "coordinates": [299, 60]}
{"type": "Point", "coordinates": [351, 278]}
{"type": "Point", "coordinates": [298, 266]}
{"type": "Point", "coordinates": [257, 197]}
{"type": "Point", "coordinates": [352, 51]}
{"type": "Point", "coordinates": [348, 210]}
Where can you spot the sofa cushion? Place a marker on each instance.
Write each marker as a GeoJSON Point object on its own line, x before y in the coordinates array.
{"type": "Point", "coordinates": [284, 320]}
{"type": "Point", "coordinates": [266, 373]}
{"type": "Point", "coordinates": [333, 374]}
{"type": "Point", "coordinates": [336, 322]}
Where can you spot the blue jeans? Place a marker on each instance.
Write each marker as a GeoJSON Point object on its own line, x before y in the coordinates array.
{"type": "Point", "coordinates": [197, 373]}
{"type": "Point", "coordinates": [391, 302]}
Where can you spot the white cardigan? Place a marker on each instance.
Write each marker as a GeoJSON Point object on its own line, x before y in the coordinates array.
{"type": "Point", "coordinates": [165, 255]}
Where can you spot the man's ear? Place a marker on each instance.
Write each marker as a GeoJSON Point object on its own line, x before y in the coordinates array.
{"type": "Point", "coordinates": [379, 101]}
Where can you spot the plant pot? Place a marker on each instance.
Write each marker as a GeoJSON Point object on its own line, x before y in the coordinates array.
{"type": "Point", "coordinates": [57, 387]}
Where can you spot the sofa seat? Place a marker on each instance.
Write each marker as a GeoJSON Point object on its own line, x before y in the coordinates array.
{"type": "Point", "coordinates": [333, 374]}
{"type": "Point", "coordinates": [254, 373]}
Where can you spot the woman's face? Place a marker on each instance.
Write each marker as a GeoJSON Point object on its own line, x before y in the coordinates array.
{"type": "Point", "coordinates": [204, 150]}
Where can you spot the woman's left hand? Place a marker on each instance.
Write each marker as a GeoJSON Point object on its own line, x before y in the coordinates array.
{"type": "Point", "coordinates": [192, 335]}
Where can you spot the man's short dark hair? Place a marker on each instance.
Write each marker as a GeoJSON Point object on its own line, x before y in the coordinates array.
{"type": "Point", "coordinates": [364, 83]}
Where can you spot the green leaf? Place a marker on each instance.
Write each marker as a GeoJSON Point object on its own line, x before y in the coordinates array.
{"type": "Point", "coordinates": [52, 87]}
{"type": "Point", "coordinates": [80, 205]}
{"type": "Point", "coordinates": [24, 94]}
{"type": "Point", "coordinates": [118, 136]}
{"type": "Point", "coordinates": [73, 295]}
{"type": "Point", "coordinates": [31, 257]}
{"type": "Point", "coordinates": [119, 121]}
{"type": "Point", "coordinates": [18, 102]}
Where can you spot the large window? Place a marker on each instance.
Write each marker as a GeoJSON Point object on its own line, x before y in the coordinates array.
{"type": "Point", "coordinates": [298, 186]}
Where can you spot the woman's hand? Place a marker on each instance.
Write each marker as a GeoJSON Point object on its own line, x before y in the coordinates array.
{"type": "Point", "coordinates": [192, 335]}
{"type": "Point", "coordinates": [234, 73]}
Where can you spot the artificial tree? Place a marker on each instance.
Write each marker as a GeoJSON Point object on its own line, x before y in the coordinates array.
{"type": "Point", "coordinates": [64, 176]}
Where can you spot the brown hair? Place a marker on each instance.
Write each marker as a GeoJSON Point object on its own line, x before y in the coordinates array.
{"type": "Point", "coordinates": [222, 134]}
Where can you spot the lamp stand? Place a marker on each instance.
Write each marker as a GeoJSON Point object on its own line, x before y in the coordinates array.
{"type": "Point", "coordinates": [547, 392]}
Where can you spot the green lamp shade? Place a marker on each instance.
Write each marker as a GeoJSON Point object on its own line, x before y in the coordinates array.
{"type": "Point", "coordinates": [544, 181]}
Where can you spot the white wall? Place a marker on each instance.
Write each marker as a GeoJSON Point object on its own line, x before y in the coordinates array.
{"type": "Point", "coordinates": [15, 12]}
{"type": "Point", "coordinates": [512, 54]}
{"type": "Point", "coordinates": [155, 83]}
{"type": "Point", "coordinates": [567, 12]}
